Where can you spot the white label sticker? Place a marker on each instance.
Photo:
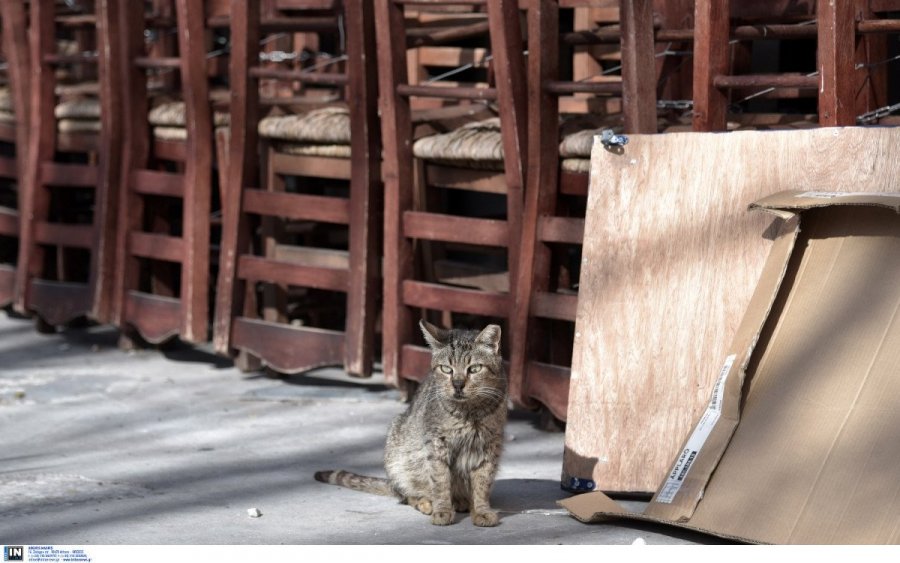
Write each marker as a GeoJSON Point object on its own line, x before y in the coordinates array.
{"type": "Point", "coordinates": [823, 195]}
{"type": "Point", "coordinates": [698, 437]}
{"type": "Point", "coordinates": [832, 195]}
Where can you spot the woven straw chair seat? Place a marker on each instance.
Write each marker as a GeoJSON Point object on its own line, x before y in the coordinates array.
{"type": "Point", "coordinates": [78, 89]}
{"type": "Point", "coordinates": [320, 132]}
{"type": "Point", "coordinates": [579, 165]}
{"type": "Point", "coordinates": [476, 145]}
{"type": "Point", "coordinates": [170, 133]}
{"type": "Point", "coordinates": [6, 103]}
{"type": "Point", "coordinates": [308, 149]}
{"type": "Point", "coordinates": [172, 114]}
{"type": "Point", "coordinates": [78, 125]}
{"type": "Point", "coordinates": [330, 125]}
{"type": "Point", "coordinates": [83, 108]}
{"type": "Point", "coordinates": [578, 144]}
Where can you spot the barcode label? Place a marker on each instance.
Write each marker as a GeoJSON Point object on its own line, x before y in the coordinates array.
{"type": "Point", "coordinates": [718, 394]}
{"type": "Point", "coordinates": [698, 437]}
{"type": "Point", "coordinates": [823, 195]}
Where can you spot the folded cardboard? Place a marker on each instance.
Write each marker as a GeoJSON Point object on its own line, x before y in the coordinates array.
{"type": "Point", "coordinates": [799, 442]}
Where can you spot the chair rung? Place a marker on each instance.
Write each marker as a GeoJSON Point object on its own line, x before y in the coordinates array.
{"type": "Point", "coordinates": [54, 58]}
{"type": "Point", "coordinates": [78, 142]}
{"type": "Point", "coordinates": [549, 384]}
{"type": "Point", "coordinates": [9, 222]}
{"type": "Point", "coordinates": [450, 228]}
{"type": "Point", "coordinates": [282, 24]}
{"type": "Point", "coordinates": [305, 76]}
{"type": "Point", "coordinates": [68, 175]}
{"type": "Point", "coordinates": [61, 234]}
{"type": "Point", "coordinates": [77, 20]}
{"type": "Point", "coordinates": [573, 183]}
{"type": "Point", "coordinates": [452, 56]}
{"type": "Point", "coordinates": [554, 306]}
{"type": "Point", "coordinates": [156, 247]}
{"type": "Point", "coordinates": [442, 298]}
{"type": "Point", "coordinates": [306, 4]}
{"type": "Point", "coordinates": [415, 362]}
{"type": "Point", "coordinates": [485, 181]}
{"type": "Point", "coordinates": [558, 87]}
{"type": "Point", "coordinates": [766, 81]}
{"type": "Point", "coordinates": [450, 92]}
{"type": "Point", "coordinates": [309, 256]}
{"type": "Point", "coordinates": [156, 317]}
{"type": "Point", "coordinates": [567, 230]}
{"type": "Point", "coordinates": [313, 166]}
{"type": "Point", "coordinates": [299, 207]}
{"type": "Point", "coordinates": [425, 37]}
{"type": "Point", "coordinates": [170, 150]}
{"type": "Point", "coordinates": [433, 2]}
{"type": "Point", "coordinates": [287, 348]}
{"type": "Point", "coordinates": [153, 182]}
{"type": "Point", "coordinates": [273, 271]}
{"type": "Point", "coordinates": [59, 302]}
{"type": "Point", "coordinates": [157, 62]}
{"type": "Point", "coordinates": [886, 25]}
{"type": "Point", "coordinates": [7, 282]}
{"type": "Point", "coordinates": [8, 167]}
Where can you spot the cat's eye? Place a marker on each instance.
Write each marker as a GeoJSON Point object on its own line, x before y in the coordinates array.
{"type": "Point", "coordinates": [446, 369]}
{"type": "Point", "coordinates": [475, 368]}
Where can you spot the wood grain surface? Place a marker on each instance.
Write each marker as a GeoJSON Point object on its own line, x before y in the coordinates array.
{"type": "Point", "coordinates": [671, 257]}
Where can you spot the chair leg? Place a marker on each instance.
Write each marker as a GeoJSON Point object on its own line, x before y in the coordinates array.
{"type": "Point", "coordinates": [711, 53]}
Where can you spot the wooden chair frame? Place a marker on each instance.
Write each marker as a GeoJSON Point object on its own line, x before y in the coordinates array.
{"type": "Point", "coordinates": [239, 327]}
{"type": "Point", "coordinates": [847, 33]}
{"type": "Point", "coordinates": [58, 300]}
{"type": "Point", "coordinates": [157, 315]}
{"type": "Point", "coordinates": [403, 360]}
{"type": "Point", "coordinates": [533, 382]}
{"type": "Point", "coordinates": [15, 51]}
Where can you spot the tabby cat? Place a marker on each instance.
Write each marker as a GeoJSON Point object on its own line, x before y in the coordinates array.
{"type": "Point", "coordinates": [442, 454]}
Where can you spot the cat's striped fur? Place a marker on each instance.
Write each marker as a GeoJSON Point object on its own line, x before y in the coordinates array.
{"type": "Point", "coordinates": [442, 454]}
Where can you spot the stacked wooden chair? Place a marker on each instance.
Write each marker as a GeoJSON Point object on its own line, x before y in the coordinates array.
{"type": "Point", "coordinates": [453, 197]}
{"type": "Point", "coordinates": [558, 166]}
{"type": "Point", "coordinates": [299, 264]}
{"type": "Point", "coordinates": [164, 282]}
{"type": "Point", "coordinates": [14, 98]}
{"type": "Point", "coordinates": [845, 80]}
{"type": "Point", "coordinates": [68, 207]}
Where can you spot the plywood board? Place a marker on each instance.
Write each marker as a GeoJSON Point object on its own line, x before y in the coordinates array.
{"type": "Point", "coordinates": [671, 257]}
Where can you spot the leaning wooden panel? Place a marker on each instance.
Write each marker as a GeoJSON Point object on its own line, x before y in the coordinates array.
{"type": "Point", "coordinates": [671, 257]}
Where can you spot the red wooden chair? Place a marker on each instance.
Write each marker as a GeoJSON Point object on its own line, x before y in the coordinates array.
{"type": "Point", "coordinates": [559, 162]}
{"type": "Point", "coordinates": [846, 79]}
{"type": "Point", "coordinates": [455, 168]}
{"type": "Point", "coordinates": [163, 282]}
{"type": "Point", "coordinates": [301, 292]}
{"type": "Point", "coordinates": [14, 98]}
{"type": "Point", "coordinates": [68, 208]}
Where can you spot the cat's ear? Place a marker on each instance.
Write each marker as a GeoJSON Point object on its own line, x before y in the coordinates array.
{"type": "Point", "coordinates": [490, 336]}
{"type": "Point", "coordinates": [434, 336]}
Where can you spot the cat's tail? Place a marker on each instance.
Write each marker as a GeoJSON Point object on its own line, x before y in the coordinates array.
{"type": "Point", "coordinates": [373, 485]}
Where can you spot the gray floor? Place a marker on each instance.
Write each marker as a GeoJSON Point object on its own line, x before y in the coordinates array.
{"type": "Point", "coordinates": [173, 447]}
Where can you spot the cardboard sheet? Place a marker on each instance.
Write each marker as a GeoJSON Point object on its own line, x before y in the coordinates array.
{"type": "Point", "coordinates": [805, 450]}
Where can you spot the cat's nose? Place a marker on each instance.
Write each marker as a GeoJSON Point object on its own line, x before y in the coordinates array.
{"type": "Point", "coordinates": [458, 385]}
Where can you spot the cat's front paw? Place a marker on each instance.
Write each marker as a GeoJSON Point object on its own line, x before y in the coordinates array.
{"type": "Point", "coordinates": [486, 519]}
{"type": "Point", "coordinates": [424, 506]}
{"type": "Point", "coordinates": [442, 517]}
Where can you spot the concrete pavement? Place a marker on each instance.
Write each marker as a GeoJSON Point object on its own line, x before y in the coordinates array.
{"type": "Point", "coordinates": [173, 447]}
